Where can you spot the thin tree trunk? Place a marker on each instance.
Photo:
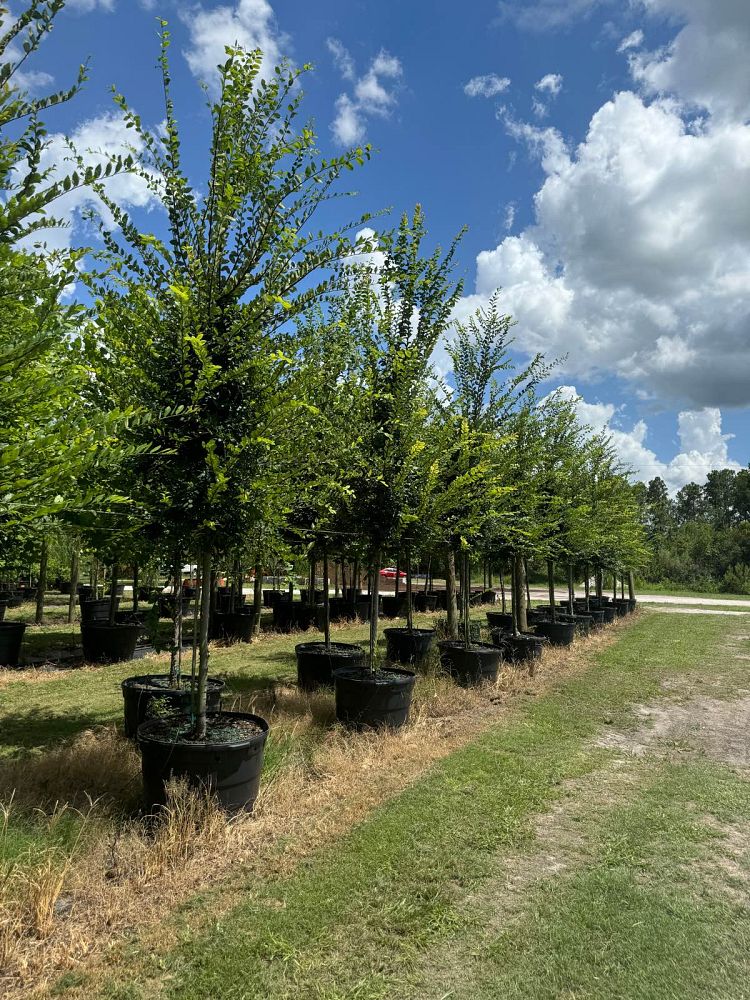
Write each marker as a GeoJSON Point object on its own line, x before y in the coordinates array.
{"type": "Point", "coordinates": [355, 578]}
{"type": "Point", "coordinates": [113, 593]}
{"type": "Point", "coordinates": [622, 587]}
{"type": "Point", "coordinates": [614, 586]}
{"type": "Point", "coordinates": [526, 582]}
{"type": "Point", "coordinates": [586, 585]}
{"type": "Point", "coordinates": [502, 587]}
{"type": "Point", "coordinates": [518, 593]}
{"type": "Point", "coordinates": [74, 564]}
{"type": "Point", "coordinates": [343, 577]}
{"type": "Point", "coordinates": [175, 660]}
{"type": "Point", "coordinates": [427, 575]}
{"type": "Point", "coordinates": [450, 593]}
{"type": "Point", "coordinates": [571, 588]}
{"type": "Point", "coordinates": [514, 588]}
{"type": "Point", "coordinates": [551, 587]}
{"type": "Point", "coordinates": [396, 587]}
{"type": "Point", "coordinates": [200, 723]}
{"type": "Point", "coordinates": [42, 584]}
{"type": "Point", "coordinates": [257, 598]}
{"type": "Point", "coordinates": [599, 581]}
{"type": "Point", "coordinates": [336, 591]}
{"type": "Point", "coordinates": [326, 602]}
{"type": "Point", "coordinates": [135, 587]}
{"type": "Point", "coordinates": [194, 651]}
{"type": "Point", "coordinates": [374, 601]}
{"type": "Point", "coordinates": [631, 585]}
{"type": "Point", "coordinates": [466, 595]}
{"type": "Point", "coordinates": [409, 609]}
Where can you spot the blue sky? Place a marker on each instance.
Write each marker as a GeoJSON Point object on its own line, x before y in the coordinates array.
{"type": "Point", "coordinates": [598, 151]}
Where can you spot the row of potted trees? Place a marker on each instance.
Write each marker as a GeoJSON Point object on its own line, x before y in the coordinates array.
{"type": "Point", "coordinates": [248, 378]}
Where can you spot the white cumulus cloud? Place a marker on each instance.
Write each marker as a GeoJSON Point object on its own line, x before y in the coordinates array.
{"type": "Point", "coordinates": [638, 261]}
{"type": "Point", "coordinates": [550, 84]}
{"type": "Point", "coordinates": [703, 446]}
{"type": "Point", "coordinates": [488, 85]}
{"type": "Point", "coordinates": [250, 24]}
{"type": "Point", "coordinates": [373, 94]}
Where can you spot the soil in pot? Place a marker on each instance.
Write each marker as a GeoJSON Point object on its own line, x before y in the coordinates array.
{"type": "Point", "coordinates": [228, 762]}
{"type": "Point", "coordinates": [467, 666]}
{"type": "Point", "coordinates": [109, 643]}
{"type": "Point", "coordinates": [150, 695]}
{"type": "Point", "coordinates": [11, 637]}
{"type": "Point", "coordinates": [373, 700]}
{"type": "Point", "coordinates": [316, 663]}
{"type": "Point", "coordinates": [408, 647]}
{"type": "Point", "coordinates": [559, 633]}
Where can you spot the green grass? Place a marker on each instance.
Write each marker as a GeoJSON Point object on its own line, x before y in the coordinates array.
{"type": "Point", "coordinates": [362, 919]}
{"type": "Point", "coordinates": [658, 588]}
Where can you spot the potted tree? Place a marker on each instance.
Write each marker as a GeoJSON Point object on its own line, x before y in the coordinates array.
{"type": "Point", "coordinates": [407, 301]}
{"type": "Point", "coordinates": [195, 327]}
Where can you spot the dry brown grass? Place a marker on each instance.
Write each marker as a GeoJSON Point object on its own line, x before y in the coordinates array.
{"type": "Point", "coordinates": [124, 883]}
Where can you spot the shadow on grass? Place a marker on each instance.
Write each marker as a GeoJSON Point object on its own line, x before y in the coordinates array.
{"type": "Point", "coordinates": [38, 728]}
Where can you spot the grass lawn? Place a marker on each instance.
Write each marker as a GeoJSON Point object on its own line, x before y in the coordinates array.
{"type": "Point", "coordinates": [568, 850]}
{"type": "Point", "coordinates": [657, 588]}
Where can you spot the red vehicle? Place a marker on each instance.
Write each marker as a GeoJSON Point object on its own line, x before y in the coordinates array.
{"type": "Point", "coordinates": [389, 573]}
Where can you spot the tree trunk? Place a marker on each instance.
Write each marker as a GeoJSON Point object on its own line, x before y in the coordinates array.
{"type": "Point", "coordinates": [175, 660]}
{"type": "Point", "coordinates": [551, 587]}
{"type": "Point", "coordinates": [200, 722]}
{"type": "Point", "coordinates": [450, 593]}
{"type": "Point", "coordinates": [427, 575]}
{"type": "Point", "coordinates": [194, 651]}
{"type": "Point", "coordinates": [397, 587]}
{"type": "Point", "coordinates": [614, 586]}
{"type": "Point", "coordinates": [113, 593]}
{"type": "Point", "coordinates": [42, 584]}
{"type": "Point", "coordinates": [622, 586]}
{"type": "Point", "coordinates": [514, 588]}
{"type": "Point", "coordinates": [311, 581]}
{"type": "Point", "coordinates": [502, 587]}
{"type": "Point", "coordinates": [587, 586]}
{"type": "Point", "coordinates": [571, 588]}
{"type": "Point", "coordinates": [374, 601]}
{"type": "Point", "coordinates": [135, 586]}
{"type": "Point", "coordinates": [257, 598]}
{"type": "Point", "coordinates": [526, 583]}
{"type": "Point", "coordinates": [74, 564]}
{"type": "Point", "coordinates": [355, 577]}
{"type": "Point", "coordinates": [326, 602]}
{"type": "Point", "coordinates": [599, 581]}
{"type": "Point", "coordinates": [631, 585]}
{"type": "Point", "coordinates": [518, 593]}
{"type": "Point", "coordinates": [336, 591]}
{"type": "Point", "coordinates": [466, 597]}
{"type": "Point", "coordinates": [409, 609]}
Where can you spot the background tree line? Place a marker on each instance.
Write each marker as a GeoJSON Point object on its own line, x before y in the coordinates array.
{"type": "Point", "coordinates": [700, 538]}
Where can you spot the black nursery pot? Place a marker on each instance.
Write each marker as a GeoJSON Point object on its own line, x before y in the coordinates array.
{"type": "Point", "coordinates": [622, 607]}
{"type": "Point", "coordinates": [227, 764]}
{"type": "Point", "coordinates": [138, 693]}
{"type": "Point", "coordinates": [394, 606]}
{"type": "Point", "coordinates": [559, 633]}
{"type": "Point", "coordinates": [499, 619]}
{"type": "Point", "coordinates": [366, 700]}
{"type": "Point", "coordinates": [290, 616]}
{"type": "Point", "coordinates": [480, 662]}
{"type": "Point", "coordinates": [271, 597]}
{"type": "Point", "coordinates": [519, 648]}
{"type": "Point", "coordinates": [610, 613]}
{"type": "Point", "coordinates": [316, 663]}
{"type": "Point", "coordinates": [408, 647]}
{"type": "Point", "coordinates": [97, 612]}
{"type": "Point", "coordinates": [425, 602]}
{"type": "Point", "coordinates": [235, 625]}
{"type": "Point", "coordinates": [109, 643]}
{"type": "Point", "coordinates": [11, 637]}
